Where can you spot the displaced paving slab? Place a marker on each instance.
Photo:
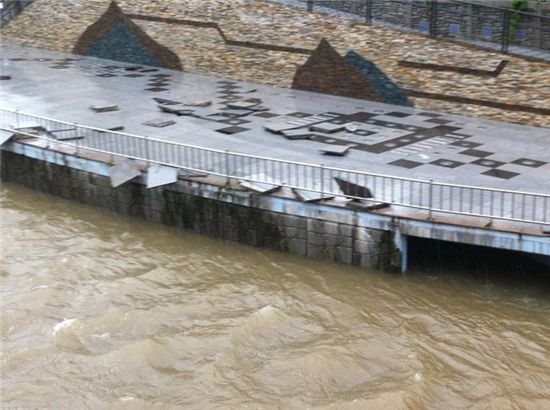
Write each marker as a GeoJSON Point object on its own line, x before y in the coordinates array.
{"type": "Point", "coordinates": [123, 172]}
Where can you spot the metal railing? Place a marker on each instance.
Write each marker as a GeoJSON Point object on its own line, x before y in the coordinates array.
{"type": "Point", "coordinates": [11, 8]}
{"type": "Point", "coordinates": [467, 21]}
{"type": "Point", "coordinates": [412, 193]}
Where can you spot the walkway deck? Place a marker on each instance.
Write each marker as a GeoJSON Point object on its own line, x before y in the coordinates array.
{"type": "Point", "coordinates": [385, 139]}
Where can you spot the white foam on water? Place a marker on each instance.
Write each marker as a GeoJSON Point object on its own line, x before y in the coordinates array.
{"type": "Point", "coordinates": [62, 325]}
{"type": "Point", "coordinates": [127, 398]}
{"type": "Point", "coordinates": [265, 309]}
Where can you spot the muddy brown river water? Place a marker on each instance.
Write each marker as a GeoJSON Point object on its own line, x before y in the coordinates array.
{"type": "Point", "coordinates": [105, 312]}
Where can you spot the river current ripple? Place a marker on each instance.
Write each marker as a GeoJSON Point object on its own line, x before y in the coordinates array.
{"type": "Point", "coordinates": [101, 311]}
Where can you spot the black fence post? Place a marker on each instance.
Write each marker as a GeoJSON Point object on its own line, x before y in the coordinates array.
{"type": "Point", "coordinates": [433, 18]}
{"type": "Point", "coordinates": [368, 12]}
{"type": "Point", "coordinates": [505, 36]}
{"type": "Point", "coordinates": [310, 5]}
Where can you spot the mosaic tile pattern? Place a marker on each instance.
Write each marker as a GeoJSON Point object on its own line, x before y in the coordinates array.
{"type": "Point", "coordinates": [116, 37]}
{"type": "Point", "coordinates": [399, 138]}
{"type": "Point", "coordinates": [384, 86]}
{"type": "Point", "coordinates": [327, 72]}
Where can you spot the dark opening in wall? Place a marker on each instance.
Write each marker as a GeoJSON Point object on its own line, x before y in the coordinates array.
{"type": "Point", "coordinates": [476, 262]}
{"type": "Point", "coordinates": [116, 37]}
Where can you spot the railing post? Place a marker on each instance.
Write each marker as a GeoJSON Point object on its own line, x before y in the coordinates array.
{"type": "Point", "coordinates": [17, 124]}
{"type": "Point", "coordinates": [75, 125]}
{"type": "Point", "coordinates": [368, 12]}
{"type": "Point", "coordinates": [433, 19]}
{"type": "Point", "coordinates": [431, 199]}
{"type": "Point", "coordinates": [322, 167]}
{"type": "Point", "coordinates": [310, 5]}
{"type": "Point", "coordinates": [505, 35]}
{"type": "Point", "coordinates": [226, 155]}
{"type": "Point", "coordinates": [147, 156]}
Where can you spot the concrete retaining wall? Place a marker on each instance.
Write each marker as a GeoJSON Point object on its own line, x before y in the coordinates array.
{"type": "Point", "coordinates": [234, 216]}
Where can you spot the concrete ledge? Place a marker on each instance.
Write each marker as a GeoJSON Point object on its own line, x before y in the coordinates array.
{"type": "Point", "coordinates": [316, 230]}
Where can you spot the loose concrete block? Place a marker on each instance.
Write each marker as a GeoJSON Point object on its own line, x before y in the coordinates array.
{"type": "Point", "coordinates": [124, 171]}
{"type": "Point", "coordinates": [158, 175]}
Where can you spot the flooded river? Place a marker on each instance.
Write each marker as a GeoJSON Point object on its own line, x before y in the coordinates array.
{"type": "Point", "coordinates": [100, 311]}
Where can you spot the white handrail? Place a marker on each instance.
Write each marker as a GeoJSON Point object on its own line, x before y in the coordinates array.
{"type": "Point", "coordinates": [406, 192]}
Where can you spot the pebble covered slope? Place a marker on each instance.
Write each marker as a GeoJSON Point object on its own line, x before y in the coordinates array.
{"type": "Point", "coordinates": [57, 25]}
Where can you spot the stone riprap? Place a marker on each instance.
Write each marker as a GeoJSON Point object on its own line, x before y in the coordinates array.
{"type": "Point", "coordinates": [58, 24]}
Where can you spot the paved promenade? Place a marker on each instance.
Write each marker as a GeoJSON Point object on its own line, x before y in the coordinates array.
{"type": "Point", "coordinates": [382, 138]}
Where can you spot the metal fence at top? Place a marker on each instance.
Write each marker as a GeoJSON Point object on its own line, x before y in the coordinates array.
{"type": "Point", "coordinates": [327, 181]}
{"type": "Point", "coordinates": [461, 20]}
{"type": "Point", "coordinates": [11, 8]}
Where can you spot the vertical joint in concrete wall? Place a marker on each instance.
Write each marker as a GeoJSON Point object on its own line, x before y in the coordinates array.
{"type": "Point", "coordinates": [400, 254]}
{"type": "Point", "coordinates": [408, 15]}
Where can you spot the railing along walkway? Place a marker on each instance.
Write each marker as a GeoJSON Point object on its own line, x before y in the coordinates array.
{"type": "Point", "coordinates": [411, 193]}
{"type": "Point", "coordinates": [473, 22]}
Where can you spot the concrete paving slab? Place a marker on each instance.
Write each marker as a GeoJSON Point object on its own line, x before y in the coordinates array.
{"type": "Point", "coordinates": [5, 136]}
{"type": "Point", "coordinates": [159, 123]}
{"type": "Point", "coordinates": [159, 175]}
{"type": "Point", "coordinates": [123, 172]}
{"type": "Point", "coordinates": [338, 150]}
{"type": "Point", "coordinates": [299, 134]}
{"type": "Point", "coordinates": [268, 184]}
{"type": "Point", "coordinates": [328, 128]}
{"type": "Point", "coordinates": [309, 196]}
{"type": "Point", "coordinates": [102, 106]}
